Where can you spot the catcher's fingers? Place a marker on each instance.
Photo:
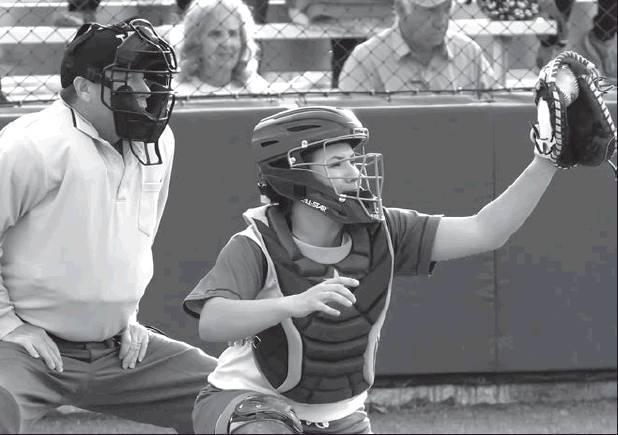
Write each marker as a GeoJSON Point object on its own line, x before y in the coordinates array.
{"type": "Point", "coordinates": [328, 310]}
{"type": "Point", "coordinates": [343, 291]}
{"type": "Point", "coordinates": [343, 280]}
{"type": "Point", "coordinates": [340, 295]}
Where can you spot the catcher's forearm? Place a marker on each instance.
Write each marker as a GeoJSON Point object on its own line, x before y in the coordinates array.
{"type": "Point", "coordinates": [230, 320]}
{"type": "Point", "coordinates": [505, 214]}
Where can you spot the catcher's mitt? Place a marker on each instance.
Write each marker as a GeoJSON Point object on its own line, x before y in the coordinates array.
{"type": "Point", "coordinates": [574, 125]}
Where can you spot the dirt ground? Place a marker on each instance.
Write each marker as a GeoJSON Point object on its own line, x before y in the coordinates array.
{"type": "Point", "coordinates": [590, 417]}
{"type": "Point", "coordinates": [578, 417]}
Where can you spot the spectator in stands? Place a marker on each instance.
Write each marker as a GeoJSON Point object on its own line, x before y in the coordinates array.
{"type": "Point", "coordinates": [218, 52]}
{"type": "Point", "coordinates": [85, 11]}
{"type": "Point", "coordinates": [418, 53]}
{"type": "Point", "coordinates": [340, 47]}
{"type": "Point", "coordinates": [304, 12]}
{"type": "Point", "coordinates": [597, 44]}
{"type": "Point", "coordinates": [80, 12]}
{"type": "Point", "coordinates": [259, 8]}
{"type": "Point", "coordinates": [2, 97]}
{"type": "Point", "coordinates": [560, 11]}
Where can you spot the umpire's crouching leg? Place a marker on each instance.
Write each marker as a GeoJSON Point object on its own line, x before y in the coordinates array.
{"type": "Point", "coordinates": [9, 413]}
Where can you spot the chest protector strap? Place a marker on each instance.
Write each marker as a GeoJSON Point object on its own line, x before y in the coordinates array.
{"type": "Point", "coordinates": [337, 354]}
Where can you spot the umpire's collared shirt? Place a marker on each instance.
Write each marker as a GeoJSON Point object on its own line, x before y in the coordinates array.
{"type": "Point", "coordinates": [77, 222]}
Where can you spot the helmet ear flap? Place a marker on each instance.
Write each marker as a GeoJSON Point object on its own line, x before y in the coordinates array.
{"type": "Point", "coordinates": [300, 191]}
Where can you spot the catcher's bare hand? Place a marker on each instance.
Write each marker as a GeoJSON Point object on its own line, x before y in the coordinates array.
{"type": "Point", "coordinates": [37, 343]}
{"type": "Point", "coordinates": [318, 297]}
{"type": "Point", "coordinates": [133, 345]}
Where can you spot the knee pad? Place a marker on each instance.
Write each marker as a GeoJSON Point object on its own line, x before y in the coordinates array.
{"type": "Point", "coordinates": [264, 413]}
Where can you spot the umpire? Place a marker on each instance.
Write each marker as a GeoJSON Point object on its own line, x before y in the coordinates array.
{"type": "Point", "coordinates": [83, 185]}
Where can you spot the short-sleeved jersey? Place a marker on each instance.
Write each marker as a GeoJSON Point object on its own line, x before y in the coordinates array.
{"type": "Point", "coordinates": [240, 271]}
{"type": "Point", "coordinates": [240, 268]}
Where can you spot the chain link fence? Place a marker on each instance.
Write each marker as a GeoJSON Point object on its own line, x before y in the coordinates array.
{"type": "Point", "coordinates": [277, 47]}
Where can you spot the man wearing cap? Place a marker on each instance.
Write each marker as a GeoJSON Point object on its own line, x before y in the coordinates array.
{"type": "Point", "coordinates": [83, 185]}
{"type": "Point", "coordinates": [419, 53]}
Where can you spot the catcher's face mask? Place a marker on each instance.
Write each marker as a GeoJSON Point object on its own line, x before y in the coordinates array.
{"type": "Point", "coordinates": [316, 155]}
{"type": "Point", "coordinates": [352, 178]}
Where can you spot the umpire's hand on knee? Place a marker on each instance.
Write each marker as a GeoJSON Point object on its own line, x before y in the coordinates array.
{"type": "Point", "coordinates": [133, 345]}
{"type": "Point", "coordinates": [38, 344]}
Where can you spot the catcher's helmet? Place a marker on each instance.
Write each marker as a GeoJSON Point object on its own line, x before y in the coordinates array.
{"type": "Point", "coordinates": [107, 54]}
{"type": "Point", "coordinates": [281, 144]}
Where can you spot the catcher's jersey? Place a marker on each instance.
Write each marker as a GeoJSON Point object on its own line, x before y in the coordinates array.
{"type": "Point", "coordinates": [241, 272]}
{"type": "Point", "coordinates": [77, 225]}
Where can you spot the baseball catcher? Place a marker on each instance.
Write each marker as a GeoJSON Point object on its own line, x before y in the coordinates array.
{"type": "Point", "coordinates": [574, 124]}
{"type": "Point", "coordinates": [301, 294]}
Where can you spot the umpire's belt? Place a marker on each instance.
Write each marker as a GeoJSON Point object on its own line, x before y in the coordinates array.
{"type": "Point", "coordinates": [104, 344]}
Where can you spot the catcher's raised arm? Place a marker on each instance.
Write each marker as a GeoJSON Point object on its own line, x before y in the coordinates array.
{"type": "Point", "coordinates": [574, 126]}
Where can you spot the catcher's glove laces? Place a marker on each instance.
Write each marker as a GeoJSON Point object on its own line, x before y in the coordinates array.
{"type": "Point", "coordinates": [603, 84]}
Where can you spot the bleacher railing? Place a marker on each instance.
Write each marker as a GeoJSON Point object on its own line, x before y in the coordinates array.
{"type": "Point", "coordinates": [294, 50]}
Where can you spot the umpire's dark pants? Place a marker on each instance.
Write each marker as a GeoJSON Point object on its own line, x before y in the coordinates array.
{"type": "Point", "coordinates": [160, 390]}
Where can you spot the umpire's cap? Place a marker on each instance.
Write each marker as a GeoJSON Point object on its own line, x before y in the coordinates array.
{"type": "Point", "coordinates": [92, 49]}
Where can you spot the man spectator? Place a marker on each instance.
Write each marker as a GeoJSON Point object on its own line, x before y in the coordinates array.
{"type": "Point", "coordinates": [85, 11]}
{"type": "Point", "coordinates": [78, 13]}
{"type": "Point", "coordinates": [306, 12]}
{"type": "Point", "coordinates": [419, 52]}
{"type": "Point", "coordinates": [597, 44]}
{"type": "Point", "coordinates": [549, 45]}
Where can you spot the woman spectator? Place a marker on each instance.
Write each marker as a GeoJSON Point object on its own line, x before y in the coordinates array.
{"type": "Point", "coordinates": [218, 53]}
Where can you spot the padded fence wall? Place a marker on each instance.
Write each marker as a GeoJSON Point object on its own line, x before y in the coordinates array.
{"type": "Point", "coordinates": [545, 301]}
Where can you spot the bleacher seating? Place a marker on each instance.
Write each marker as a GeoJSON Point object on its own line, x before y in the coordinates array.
{"type": "Point", "coordinates": [24, 42]}
{"type": "Point", "coordinates": [34, 48]}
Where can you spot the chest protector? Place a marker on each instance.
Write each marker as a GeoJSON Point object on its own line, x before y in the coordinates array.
{"type": "Point", "coordinates": [321, 358]}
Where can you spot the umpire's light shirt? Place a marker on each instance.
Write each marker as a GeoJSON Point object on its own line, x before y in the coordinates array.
{"type": "Point", "coordinates": [77, 224]}
{"type": "Point", "coordinates": [386, 63]}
